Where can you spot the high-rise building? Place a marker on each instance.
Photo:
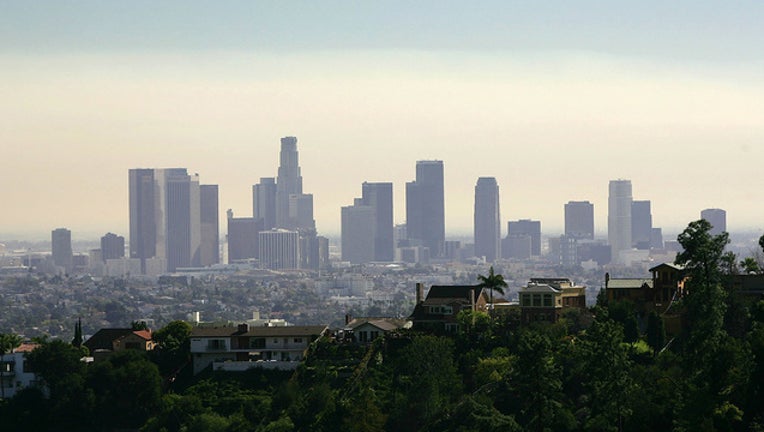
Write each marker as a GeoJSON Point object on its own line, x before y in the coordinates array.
{"type": "Point", "coordinates": [279, 249]}
{"type": "Point", "coordinates": [579, 220]}
{"type": "Point", "coordinates": [487, 223]}
{"type": "Point", "coordinates": [209, 223]}
{"type": "Point", "coordinates": [264, 202]}
{"type": "Point", "coordinates": [301, 212]}
{"type": "Point", "coordinates": [358, 228]}
{"type": "Point", "coordinates": [641, 224]}
{"type": "Point", "coordinates": [61, 246]}
{"type": "Point", "coordinates": [165, 218]}
{"type": "Point", "coordinates": [379, 196]}
{"type": "Point", "coordinates": [619, 217]}
{"type": "Point", "coordinates": [288, 182]}
{"type": "Point", "coordinates": [425, 207]}
{"type": "Point", "coordinates": [112, 247]}
{"type": "Point", "coordinates": [243, 237]}
{"type": "Point", "coordinates": [717, 218]}
{"type": "Point", "coordinates": [527, 227]}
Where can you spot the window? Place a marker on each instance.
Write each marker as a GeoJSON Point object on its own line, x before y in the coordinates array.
{"type": "Point", "coordinates": [216, 344]}
{"type": "Point", "coordinates": [536, 300]}
{"type": "Point", "coordinates": [547, 300]}
{"type": "Point", "coordinates": [297, 340]}
{"type": "Point", "coordinates": [132, 345]}
{"type": "Point", "coordinates": [257, 343]}
{"type": "Point", "coordinates": [525, 300]}
{"type": "Point", "coordinates": [7, 366]}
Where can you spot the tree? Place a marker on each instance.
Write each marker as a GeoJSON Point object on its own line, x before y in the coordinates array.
{"type": "Point", "coordinates": [656, 332]}
{"type": "Point", "coordinates": [173, 346]}
{"type": "Point", "coordinates": [493, 282]}
{"type": "Point", "coordinates": [750, 266]}
{"type": "Point", "coordinates": [77, 340]}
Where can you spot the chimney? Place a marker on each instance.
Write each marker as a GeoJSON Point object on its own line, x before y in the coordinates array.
{"type": "Point", "coordinates": [472, 299]}
{"type": "Point", "coordinates": [607, 279]}
{"type": "Point", "coordinates": [419, 293]}
{"type": "Point", "coordinates": [243, 328]}
{"type": "Point", "coordinates": [348, 318]}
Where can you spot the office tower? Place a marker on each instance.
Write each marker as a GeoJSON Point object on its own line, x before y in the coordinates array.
{"type": "Point", "coordinates": [288, 182]}
{"type": "Point", "coordinates": [183, 222]}
{"type": "Point", "coordinates": [358, 228]}
{"type": "Point", "coordinates": [487, 222]}
{"type": "Point", "coordinates": [656, 238]}
{"type": "Point", "coordinates": [112, 247]}
{"type": "Point", "coordinates": [264, 202]}
{"type": "Point", "coordinates": [61, 246]}
{"type": "Point", "coordinates": [517, 246]}
{"type": "Point", "coordinates": [279, 249]}
{"type": "Point", "coordinates": [323, 252]}
{"type": "Point", "coordinates": [527, 227]}
{"type": "Point", "coordinates": [301, 212]}
{"type": "Point", "coordinates": [619, 217]}
{"type": "Point", "coordinates": [579, 220]}
{"type": "Point", "coordinates": [425, 209]}
{"type": "Point", "coordinates": [243, 237]}
{"type": "Point", "coordinates": [379, 196]}
{"type": "Point", "coordinates": [717, 218]}
{"type": "Point", "coordinates": [165, 218]}
{"type": "Point", "coordinates": [641, 224]}
{"type": "Point", "coordinates": [209, 252]}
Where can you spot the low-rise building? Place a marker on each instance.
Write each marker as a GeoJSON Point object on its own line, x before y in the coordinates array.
{"type": "Point", "coordinates": [107, 341]}
{"type": "Point", "coordinates": [366, 330]}
{"type": "Point", "coordinates": [438, 311]}
{"type": "Point", "coordinates": [543, 299]}
{"type": "Point", "coordinates": [15, 372]}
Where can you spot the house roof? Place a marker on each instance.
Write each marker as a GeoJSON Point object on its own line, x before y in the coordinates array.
{"type": "Point", "coordinates": [26, 347]}
{"type": "Point", "coordinates": [103, 339]}
{"type": "Point", "coordinates": [201, 332]}
{"type": "Point", "coordinates": [452, 292]}
{"type": "Point", "coordinates": [536, 287]}
{"type": "Point", "coordinates": [669, 265]}
{"type": "Point", "coordinates": [629, 283]}
{"type": "Point", "coordinates": [386, 324]}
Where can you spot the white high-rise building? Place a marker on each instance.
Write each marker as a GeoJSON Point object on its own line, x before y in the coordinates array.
{"type": "Point", "coordinates": [619, 217]}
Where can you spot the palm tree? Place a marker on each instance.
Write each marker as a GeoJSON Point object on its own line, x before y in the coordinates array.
{"type": "Point", "coordinates": [493, 282]}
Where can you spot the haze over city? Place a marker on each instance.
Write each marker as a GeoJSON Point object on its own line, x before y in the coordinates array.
{"type": "Point", "coordinates": [553, 101]}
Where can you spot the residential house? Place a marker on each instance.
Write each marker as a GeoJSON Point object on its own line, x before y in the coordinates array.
{"type": "Point", "coordinates": [366, 330]}
{"type": "Point", "coordinates": [543, 299]}
{"type": "Point", "coordinates": [15, 372]}
{"type": "Point", "coordinates": [108, 341]}
{"type": "Point", "coordinates": [655, 294]}
{"type": "Point", "coordinates": [438, 311]}
{"type": "Point", "coordinates": [244, 347]}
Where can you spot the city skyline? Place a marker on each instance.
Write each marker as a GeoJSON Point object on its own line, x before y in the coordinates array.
{"type": "Point", "coordinates": [552, 100]}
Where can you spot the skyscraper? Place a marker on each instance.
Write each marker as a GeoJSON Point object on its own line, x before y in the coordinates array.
{"type": "Point", "coordinates": [529, 228]}
{"type": "Point", "coordinates": [379, 196]}
{"type": "Point", "coordinates": [579, 220]}
{"type": "Point", "coordinates": [243, 237]}
{"type": "Point", "coordinates": [641, 224]}
{"type": "Point", "coordinates": [279, 249]}
{"type": "Point", "coordinates": [210, 225]}
{"type": "Point", "coordinates": [61, 246]}
{"type": "Point", "coordinates": [112, 247]}
{"type": "Point", "coordinates": [717, 218]}
{"type": "Point", "coordinates": [619, 217]}
{"type": "Point", "coordinates": [264, 202]}
{"type": "Point", "coordinates": [487, 224]}
{"type": "Point", "coordinates": [165, 218]}
{"type": "Point", "coordinates": [288, 182]}
{"type": "Point", "coordinates": [425, 207]}
{"type": "Point", "coordinates": [358, 228]}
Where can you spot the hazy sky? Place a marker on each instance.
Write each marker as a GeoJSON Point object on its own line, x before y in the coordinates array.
{"type": "Point", "coordinates": [552, 98]}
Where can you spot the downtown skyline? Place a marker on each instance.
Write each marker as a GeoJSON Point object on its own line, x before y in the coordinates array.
{"type": "Point", "coordinates": [554, 101]}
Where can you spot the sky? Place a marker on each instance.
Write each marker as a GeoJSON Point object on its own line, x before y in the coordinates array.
{"type": "Point", "coordinates": [553, 98]}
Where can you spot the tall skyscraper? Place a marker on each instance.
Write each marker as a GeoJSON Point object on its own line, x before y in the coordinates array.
{"type": "Point", "coordinates": [210, 225]}
{"type": "Point", "coordinates": [641, 224]}
{"type": "Point", "coordinates": [112, 247]}
{"type": "Point", "coordinates": [288, 182]}
{"type": "Point", "coordinates": [358, 228]}
{"type": "Point", "coordinates": [61, 246]}
{"type": "Point", "coordinates": [487, 224]}
{"type": "Point", "coordinates": [529, 228]}
{"type": "Point", "coordinates": [165, 218]}
{"type": "Point", "coordinates": [264, 202]}
{"type": "Point", "coordinates": [579, 220]}
{"type": "Point", "coordinates": [379, 196]}
{"type": "Point", "coordinates": [619, 217]}
{"type": "Point", "coordinates": [425, 207]}
{"type": "Point", "coordinates": [717, 218]}
{"type": "Point", "coordinates": [301, 212]}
